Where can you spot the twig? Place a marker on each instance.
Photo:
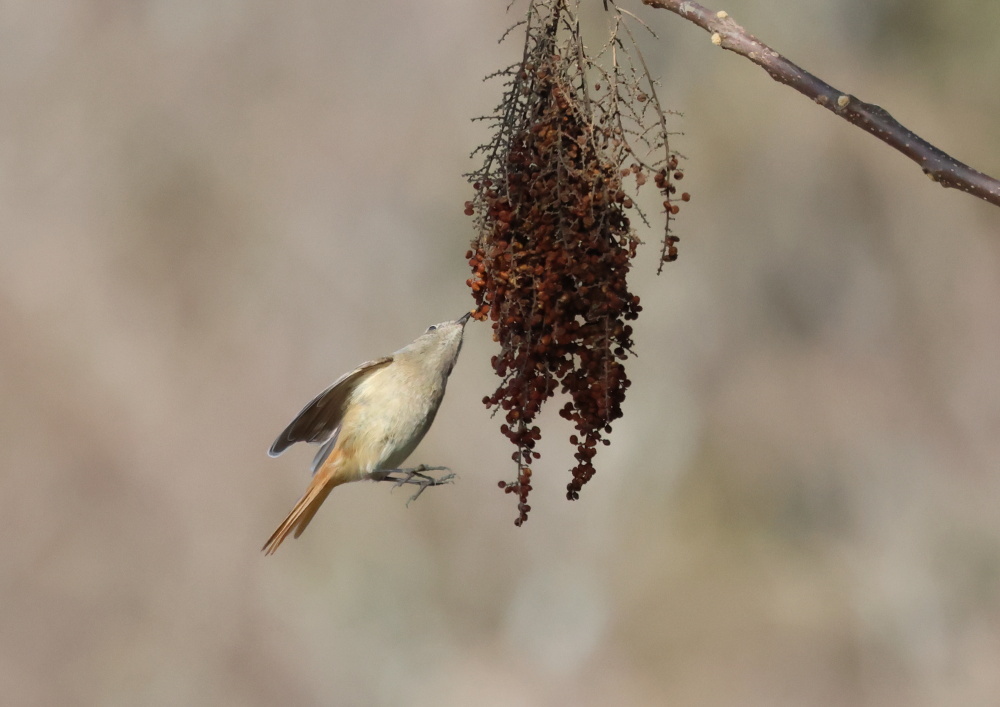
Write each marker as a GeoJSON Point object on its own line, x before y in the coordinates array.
{"type": "Point", "coordinates": [936, 164]}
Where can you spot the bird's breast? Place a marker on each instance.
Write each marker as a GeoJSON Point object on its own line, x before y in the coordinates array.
{"type": "Point", "coordinates": [388, 415]}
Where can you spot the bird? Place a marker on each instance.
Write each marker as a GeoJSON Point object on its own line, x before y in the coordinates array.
{"type": "Point", "coordinates": [370, 420]}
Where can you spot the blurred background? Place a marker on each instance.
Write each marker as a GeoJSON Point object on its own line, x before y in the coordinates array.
{"type": "Point", "coordinates": [212, 210]}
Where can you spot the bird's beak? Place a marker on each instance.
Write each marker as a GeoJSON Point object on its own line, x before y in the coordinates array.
{"type": "Point", "coordinates": [464, 318]}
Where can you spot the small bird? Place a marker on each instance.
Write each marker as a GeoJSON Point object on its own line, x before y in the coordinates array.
{"type": "Point", "coordinates": [370, 420]}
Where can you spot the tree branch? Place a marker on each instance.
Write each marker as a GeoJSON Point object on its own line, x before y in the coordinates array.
{"type": "Point", "coordinates": [936, 164]}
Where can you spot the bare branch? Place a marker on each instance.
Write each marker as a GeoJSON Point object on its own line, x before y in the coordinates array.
{"type": "Point", "coordinates": [937, 164]}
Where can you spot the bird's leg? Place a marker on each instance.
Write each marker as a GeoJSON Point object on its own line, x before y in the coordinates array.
{"type": "Point", "coordinates": [414, 476]}
{"type": "Point", "coordinates": [405, 476]}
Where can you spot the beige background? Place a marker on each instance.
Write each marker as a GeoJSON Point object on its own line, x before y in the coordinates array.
{"type": "Point", "coordinates": [210, 210]}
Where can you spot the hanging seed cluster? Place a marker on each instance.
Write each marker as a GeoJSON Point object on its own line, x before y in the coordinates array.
{"type": "Point", "coordinates": [550, 263]}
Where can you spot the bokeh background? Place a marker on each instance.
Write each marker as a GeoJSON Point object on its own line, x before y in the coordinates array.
{"type": "Point", "coordinates": [210, 210]}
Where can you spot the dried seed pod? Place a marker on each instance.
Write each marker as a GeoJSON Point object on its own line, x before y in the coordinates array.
{"type": "Point", "coordinates": [555, 245]}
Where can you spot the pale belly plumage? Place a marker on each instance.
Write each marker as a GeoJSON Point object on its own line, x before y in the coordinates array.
{"type": "Point", "coordinates": [383, 429]}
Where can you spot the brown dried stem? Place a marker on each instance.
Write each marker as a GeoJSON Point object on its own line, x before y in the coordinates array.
{"type": "Point", "coordinates": [937, 164]}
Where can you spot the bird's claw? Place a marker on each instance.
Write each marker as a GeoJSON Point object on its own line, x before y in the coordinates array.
{"type": "Point", "coordinates": [415, 476]}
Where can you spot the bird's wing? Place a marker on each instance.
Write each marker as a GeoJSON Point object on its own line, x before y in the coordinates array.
{"type": "Point", "coordinates": [319, 420]}
{"type": "Point", "coordinates": [324, 451]}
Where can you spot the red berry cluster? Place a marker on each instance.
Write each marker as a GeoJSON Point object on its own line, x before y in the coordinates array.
{"type": "Point", "coordinates": [549, 269]}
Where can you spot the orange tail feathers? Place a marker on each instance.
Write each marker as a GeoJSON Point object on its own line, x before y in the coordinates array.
{"type": "Point", "coordinates": [325, 480]}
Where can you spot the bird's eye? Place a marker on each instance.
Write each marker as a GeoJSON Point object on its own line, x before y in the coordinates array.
{"type": "Point", "coordinates": [432, 327]}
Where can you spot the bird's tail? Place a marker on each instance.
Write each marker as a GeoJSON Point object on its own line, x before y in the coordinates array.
{"type": "Point", "coordinates": [325, 480]}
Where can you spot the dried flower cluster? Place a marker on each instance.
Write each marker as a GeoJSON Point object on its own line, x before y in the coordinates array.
{"type": "Point", "coordinates": [555, 245]}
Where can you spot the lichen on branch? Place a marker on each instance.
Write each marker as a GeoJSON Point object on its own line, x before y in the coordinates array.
{"type": "Point", "coordinates": [573, 139]}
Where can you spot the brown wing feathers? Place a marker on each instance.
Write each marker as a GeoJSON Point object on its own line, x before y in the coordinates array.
{"type": "Point", "coordinates": [320, 418]}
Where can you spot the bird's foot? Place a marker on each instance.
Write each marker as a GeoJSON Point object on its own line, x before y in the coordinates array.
{"type": "Point", "coordinates": [415, 476]}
